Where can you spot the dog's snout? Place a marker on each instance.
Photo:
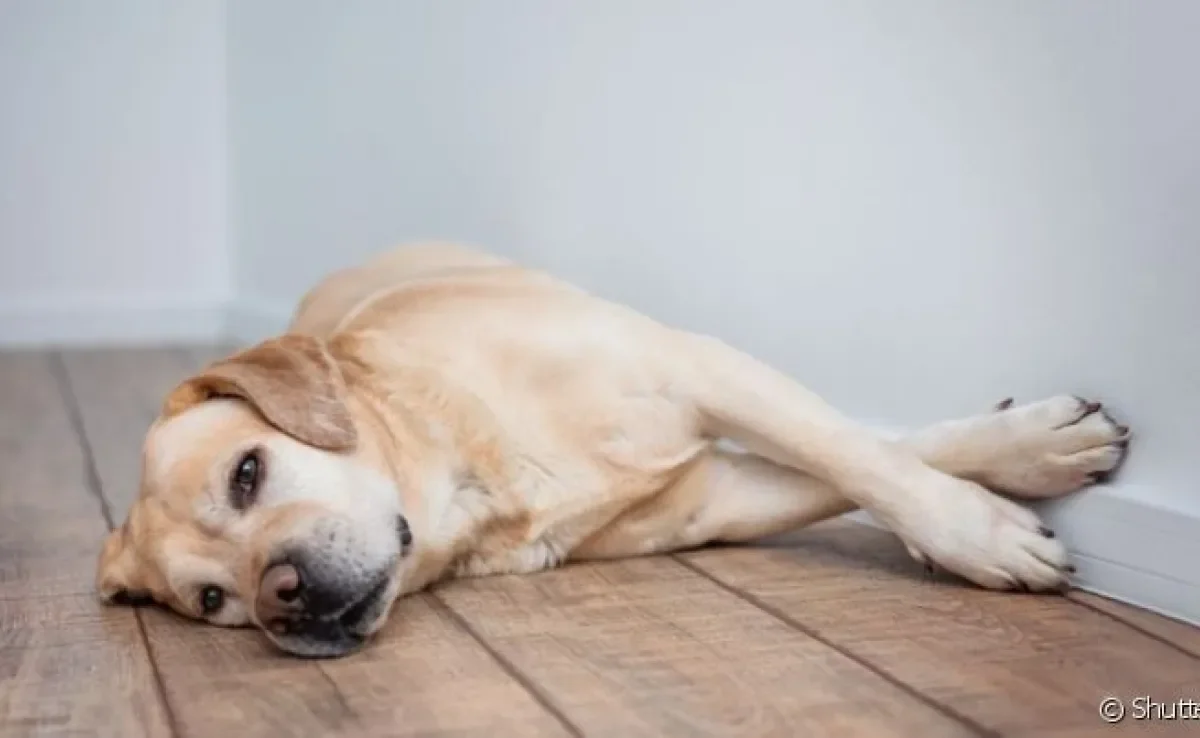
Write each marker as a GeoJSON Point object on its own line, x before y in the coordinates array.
{"type": "Point", "coordinates": [312, 608]}
{"type": "Point", "coordinates": [278, 592]}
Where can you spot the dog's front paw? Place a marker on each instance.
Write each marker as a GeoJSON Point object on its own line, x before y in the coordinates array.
{"type": "Point", "coordinates": [1047, 448]}
{"type": "Point", "coordinates": [995, 543]}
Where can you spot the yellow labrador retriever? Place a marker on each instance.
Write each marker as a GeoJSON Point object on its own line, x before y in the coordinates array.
{"type": "Point", "coordinates": [440, 412]}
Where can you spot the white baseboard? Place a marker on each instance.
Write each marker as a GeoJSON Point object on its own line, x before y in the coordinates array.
{"type": "Point", "coordinates": [1131, 550]}
{"type": "Point", "coordinates": [108, 320]}
{"type": "Point", "coordinates": [1124, 547]}
{"type": "Point", "coordinates": [249, 321]}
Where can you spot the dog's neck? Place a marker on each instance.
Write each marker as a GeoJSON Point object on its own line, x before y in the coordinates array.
{"type": "Point", "coordinates": [391, 449]}
{"type": "Point", "coordinates": [442, 496]}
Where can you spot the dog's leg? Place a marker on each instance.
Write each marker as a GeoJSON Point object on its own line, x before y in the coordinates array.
{"type": "Point", "coordinates": [1044, 449]}
{"type": "Point", "coordinates": [954, 522]}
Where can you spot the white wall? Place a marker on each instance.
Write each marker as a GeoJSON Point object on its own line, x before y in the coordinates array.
{"type": "Point", "coordinates": [112, 170]}
{"type": "Point", "coordinates": [917, 208]}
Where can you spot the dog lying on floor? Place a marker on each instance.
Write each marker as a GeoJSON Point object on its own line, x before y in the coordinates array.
{"type": "Point", "coordinates": [440, 412]}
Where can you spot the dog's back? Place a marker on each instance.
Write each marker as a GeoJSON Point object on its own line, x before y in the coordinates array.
{"type": "Point", "coordinates": [337, 298]}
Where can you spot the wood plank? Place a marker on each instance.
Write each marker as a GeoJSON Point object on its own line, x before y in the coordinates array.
{"type": "Point", "coordinates": [421, 676]}
{"type": "Point", "coordinates": [223, 682]}
{"type": "Point", "coordinates": [1183, 636]}
{"type": "Point", "coordinates": [120, 392]}
{"type": "Point", "coordinates": [425, 676]}
{"type": "Point", "coordinates": [1021, 665]}
{"type": "Point", "coordinates": [647, 647]}
{"type": "Point", "coordinates": [67, 665]}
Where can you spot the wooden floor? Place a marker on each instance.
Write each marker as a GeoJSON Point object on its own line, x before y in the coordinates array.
{"type": "Point", "coordinates": [831, 632]}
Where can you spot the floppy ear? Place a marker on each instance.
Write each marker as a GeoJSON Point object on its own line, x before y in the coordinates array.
{"type": "Point", "coordinates": [291, 381]}
{"type": "Point", "coordinates": [116, 573]}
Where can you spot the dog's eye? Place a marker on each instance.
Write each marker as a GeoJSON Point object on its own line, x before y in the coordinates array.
{"type": "Point", "coordinates": [243, 486]}
{"type": "Point", "coordinates": [212, 599]}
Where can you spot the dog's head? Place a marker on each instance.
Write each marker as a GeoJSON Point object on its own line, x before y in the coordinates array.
{"type": "Point", "coordinates": [255, 508]}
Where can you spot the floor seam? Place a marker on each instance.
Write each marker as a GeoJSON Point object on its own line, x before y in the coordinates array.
{"type": "Point", "coordinates": [537, 693]}
{"type": "Point", "coordinates": [337, 692]}
{"type": "Point", "coordinates": [91, 475]}
{"type": "Point", "coordinates": [160, 684]}
{"type": "Point", "coordinates": [1135, 627]}
{"type": "Point", "coordinates": [58, 369]}
{"type": "Point", "coordinates": [791, 622]}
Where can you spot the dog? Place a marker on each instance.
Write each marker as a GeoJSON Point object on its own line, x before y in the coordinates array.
{"type": "Point", "coordinates": [441, 412]}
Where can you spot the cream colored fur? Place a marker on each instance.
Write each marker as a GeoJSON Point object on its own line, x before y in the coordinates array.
{"type": "Point", "coordinates": [518, 422]}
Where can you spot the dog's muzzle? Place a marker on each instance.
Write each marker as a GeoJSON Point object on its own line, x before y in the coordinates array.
{"type": "Point", "coordinates": [312, 606]}
{"type": "Point", "coordinates": [308, 617]}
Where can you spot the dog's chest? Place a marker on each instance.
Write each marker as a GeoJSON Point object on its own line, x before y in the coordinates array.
{"type": "Point", "coordinates": [549, 450]}
{"type": "Point", "coordinates": [551, 506]}
{"type": "Point", "coordinates": [530, 523]}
